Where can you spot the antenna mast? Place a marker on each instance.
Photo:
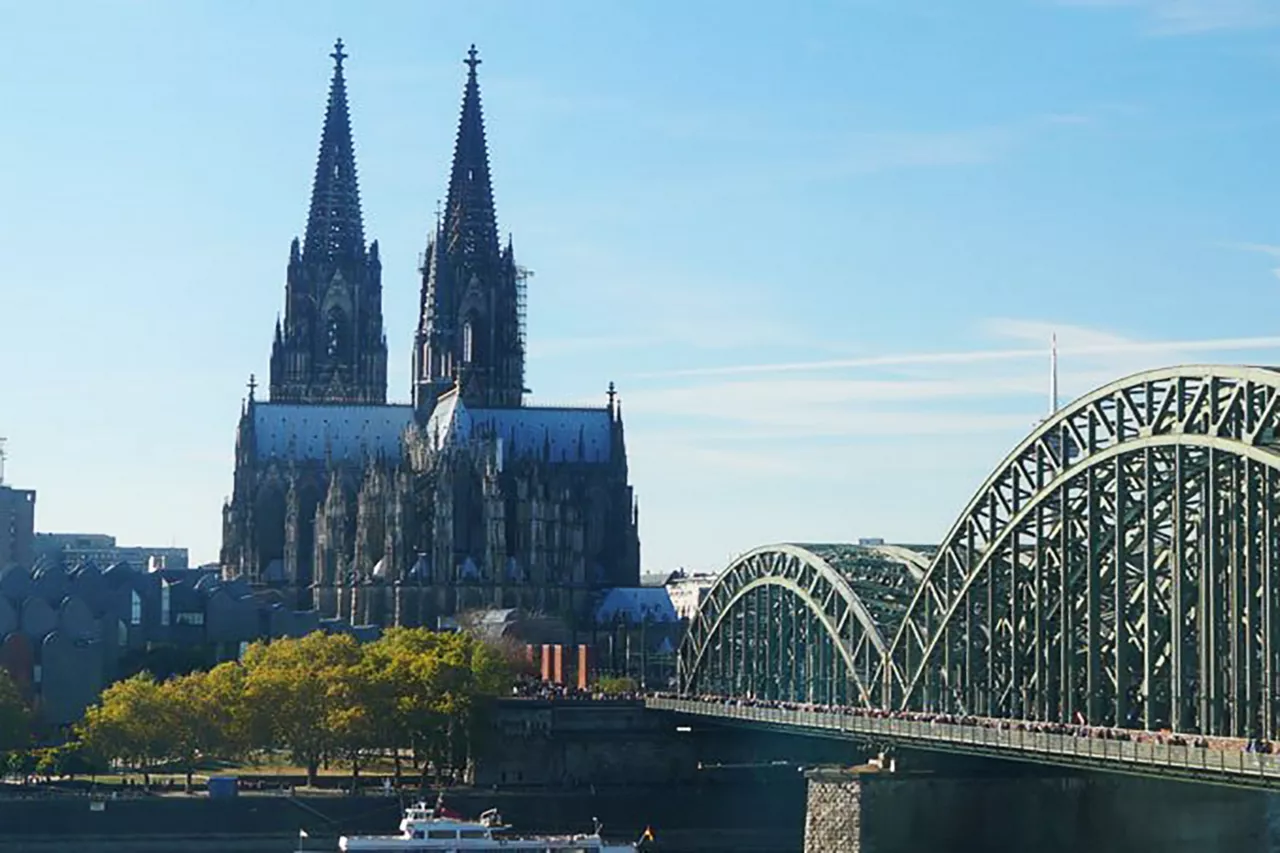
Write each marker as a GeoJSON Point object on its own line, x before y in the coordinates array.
{"type": "Point", "coordinates": [1053, 374]}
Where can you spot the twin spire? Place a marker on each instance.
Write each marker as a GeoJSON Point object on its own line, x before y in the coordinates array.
{"type": "Point", "coordinates": [335, 226]}
{"type": "Point", "coordinates": [470, 225]}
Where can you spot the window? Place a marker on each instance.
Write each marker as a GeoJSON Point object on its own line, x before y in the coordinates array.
{"type": "Point", "coordinates": [135, 608]}
{"type": "Point", "coordinates": [336, 339]}
{"type": "Point", "coordinates": [164, 604]}
{"type": "Point", "coordinates": [190, 619]}
{"type": "Point", "coordinates": [122, 633]}
{"type": "Point", "coordinates": [467, 342]}
{"type": "Point", "coordinates": [441, 833]}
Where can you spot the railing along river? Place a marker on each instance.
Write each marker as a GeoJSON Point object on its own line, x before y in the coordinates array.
{"type": "Point", "coordinates": [1202, 763]}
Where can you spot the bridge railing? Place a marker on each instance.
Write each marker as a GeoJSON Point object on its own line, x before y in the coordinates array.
{"type": "Point", "coordinates": [1068, 748]}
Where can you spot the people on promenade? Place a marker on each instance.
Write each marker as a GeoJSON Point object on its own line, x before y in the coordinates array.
{"type": "Point", "coordinates": [1077, 728]}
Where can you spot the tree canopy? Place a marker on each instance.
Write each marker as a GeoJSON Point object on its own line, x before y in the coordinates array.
{"type": "Point", "coordinates": [322, 697]}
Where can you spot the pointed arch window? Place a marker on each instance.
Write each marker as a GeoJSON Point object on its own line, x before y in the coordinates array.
{"type": "Point", "coordinates": [135, 608]}
{"type": "Point", "coordinates": [468, 342]}
{"type": "Point", "coordinates": [336, 334]}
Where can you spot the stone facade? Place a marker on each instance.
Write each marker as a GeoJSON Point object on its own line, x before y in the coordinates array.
{"type": "Point", "coordinates": [857, 811]}
{"type": "Point", "coordinates": [833, 819]}
{"type": "Point", "coordinates": [462, 499]}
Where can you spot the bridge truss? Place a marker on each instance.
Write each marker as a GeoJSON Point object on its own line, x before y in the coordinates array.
{"type": "Point", "coordinates": [1121, 566]}
{"type": "Point", "coordinates": [800, 622]}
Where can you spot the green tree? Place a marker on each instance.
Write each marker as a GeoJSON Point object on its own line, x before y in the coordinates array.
{"type": "Point", "coordinates": [15, 717]}
{"type": "Point", "coordinates": [298, 694]}
{"type": "Point", "coordinates": [130, 724]}
{"type": "Point", "coordinates": [438, 688]}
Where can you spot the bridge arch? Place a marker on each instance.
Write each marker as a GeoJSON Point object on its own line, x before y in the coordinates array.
{"type": "Point", "coordinates": [1121, 565]}
{"type": "Point", "coordinates": [802, 623]}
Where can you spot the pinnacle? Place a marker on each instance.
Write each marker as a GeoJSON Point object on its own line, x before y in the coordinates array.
{"type": "Point", "coordinates": [335, 227]}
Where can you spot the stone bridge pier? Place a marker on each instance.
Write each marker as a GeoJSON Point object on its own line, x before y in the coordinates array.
{"type": "Point", "coordinates": [868, 810]}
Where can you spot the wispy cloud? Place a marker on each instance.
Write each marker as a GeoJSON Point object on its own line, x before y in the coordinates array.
{"type": "Point", "coordinates": [1116, 347]}
{"type": "Point", "coordinates": [1193, 17]}
{"type": "Point", "coordinates": [1261, 248]}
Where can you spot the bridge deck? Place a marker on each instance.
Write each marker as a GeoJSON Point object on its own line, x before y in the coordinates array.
{"type": "Point", "coordinates": [1201, 764]}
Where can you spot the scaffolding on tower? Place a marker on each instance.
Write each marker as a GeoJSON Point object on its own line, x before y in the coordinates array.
{"type": "Point", "coordinates": [523, 274]}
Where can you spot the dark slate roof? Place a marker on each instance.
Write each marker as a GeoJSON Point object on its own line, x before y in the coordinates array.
{"type": "Point", "coordinates": [300, 432]}
{"type": "Point", "coordinates": [636, 604]}
{"type": "Point", "coordinates": [566, 434]}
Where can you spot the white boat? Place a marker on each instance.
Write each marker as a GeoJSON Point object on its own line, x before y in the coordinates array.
{"type": "Point", "coordinates": [428, 830]}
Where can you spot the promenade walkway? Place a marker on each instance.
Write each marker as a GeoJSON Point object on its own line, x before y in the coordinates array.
{"type": "Point", "coordinates": [1219, 762]}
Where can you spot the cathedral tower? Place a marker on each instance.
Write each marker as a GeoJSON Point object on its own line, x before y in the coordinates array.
{"type": "Point", "coordinates": [471, 323]}
{"type": "Point", "coordinates": [331, 347]}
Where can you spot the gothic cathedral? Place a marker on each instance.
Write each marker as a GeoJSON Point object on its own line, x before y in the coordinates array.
{"type": "Point", "coordinates": [464, 499]}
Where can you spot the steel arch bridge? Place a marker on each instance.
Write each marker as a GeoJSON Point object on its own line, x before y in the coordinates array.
{"type": "Point", "coordinates": [800, 622]}
{"type": "Point", "coordinates": [1121, 565]}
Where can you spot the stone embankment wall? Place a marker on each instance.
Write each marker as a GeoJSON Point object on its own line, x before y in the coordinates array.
{"type": "Point", "coordinates": [703, 818]}
{"type": "Point", "coordinates": [860, 810]}
{"type": "Point", "coordinates": [569, 743]}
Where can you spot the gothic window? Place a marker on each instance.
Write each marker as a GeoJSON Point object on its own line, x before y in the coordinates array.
{"type": "Point", "coordinates": [164, 604]}
{"type": "Point", "coordinates": [135, 608]}
{"type": "Point", "coordinates": [336, 334]}
{"type": "Point", "coordinates": [468, 342]}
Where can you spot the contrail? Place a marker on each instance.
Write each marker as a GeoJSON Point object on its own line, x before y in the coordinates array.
{"type": "Point", "coordinates": [972, 356]}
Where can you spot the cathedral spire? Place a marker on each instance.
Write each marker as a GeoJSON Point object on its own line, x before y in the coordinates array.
{"type": "Point", "coordinates": [335, 229]}
{"type": "Point", "coordinates": [470, 223]}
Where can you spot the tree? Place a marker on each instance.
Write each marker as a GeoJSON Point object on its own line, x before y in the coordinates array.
{"type": "Point", "coordinates": [130, 724]}
{"type": "Point", "coordinates": [15, 716]}
{"type": "Point", "coordinates": [299, 693]}
{"type": "Point", "coordinates": [439, 684]}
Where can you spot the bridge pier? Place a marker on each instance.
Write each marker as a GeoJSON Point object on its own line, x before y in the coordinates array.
{"type": "Point", "coordinates": [865, 810]}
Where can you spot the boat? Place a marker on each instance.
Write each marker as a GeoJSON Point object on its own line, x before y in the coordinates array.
{"type": "Point", "coordinates": [436, 830]}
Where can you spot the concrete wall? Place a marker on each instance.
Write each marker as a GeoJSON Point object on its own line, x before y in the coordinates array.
{"type": "Point", "coordinates": [572, 743]}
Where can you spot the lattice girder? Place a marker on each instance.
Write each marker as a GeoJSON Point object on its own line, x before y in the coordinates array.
{"type": "Point", "coordinates": [805, 623]}
{"type": "Point", "coordinates": [1120, 565]}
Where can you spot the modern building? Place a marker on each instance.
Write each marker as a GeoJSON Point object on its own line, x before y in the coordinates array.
{"type": "Point", "coordinates": [687, 592]}
{"type": "Point", "coordinates": [17, 527]}
{"type": "Point", "coordinates": [71, 549]}
{"type": "Point", "coordinates": [65, 634]}
{"type": "Point", "coordinates": [463, 498]}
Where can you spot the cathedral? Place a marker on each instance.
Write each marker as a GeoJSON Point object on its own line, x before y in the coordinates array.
{"type": "Point", "coordinates": [462, 499]}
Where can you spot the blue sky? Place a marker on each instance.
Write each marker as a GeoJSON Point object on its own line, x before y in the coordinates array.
{"type": "Point", "coordinates": [756, 224]}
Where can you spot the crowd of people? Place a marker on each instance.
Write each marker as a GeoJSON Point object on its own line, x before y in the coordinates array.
{"type": "Point", "coordinates": [533, 689]}
{"type": "Point", "coordinates": [1079, 728]}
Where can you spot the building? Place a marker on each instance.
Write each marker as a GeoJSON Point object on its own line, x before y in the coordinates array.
{"type": "Point", "coordinates": [688, 591]}
{"type": "Point", "coordinates": [17, 526]}
{"type": "Point", "coordinates": [72, 549]}
{"type": "Point", "coordinates": [463, 498]}
{"type": "Point", "coordinates": [66, 633]}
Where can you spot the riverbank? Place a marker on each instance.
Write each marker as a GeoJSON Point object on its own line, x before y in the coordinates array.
{"type": "Point", "coordinates": [747, 815]}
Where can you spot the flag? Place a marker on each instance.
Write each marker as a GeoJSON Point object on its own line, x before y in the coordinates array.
{"type": "Point", "coordinates": [302, 833]}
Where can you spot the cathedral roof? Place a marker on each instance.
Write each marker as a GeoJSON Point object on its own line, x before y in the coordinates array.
{"type": "Point", "coordinates": [300, 432]}
{"type": "Point", "coordinates": [558, 434]}
{"type": "Point", "coordinates": [636, 604]}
